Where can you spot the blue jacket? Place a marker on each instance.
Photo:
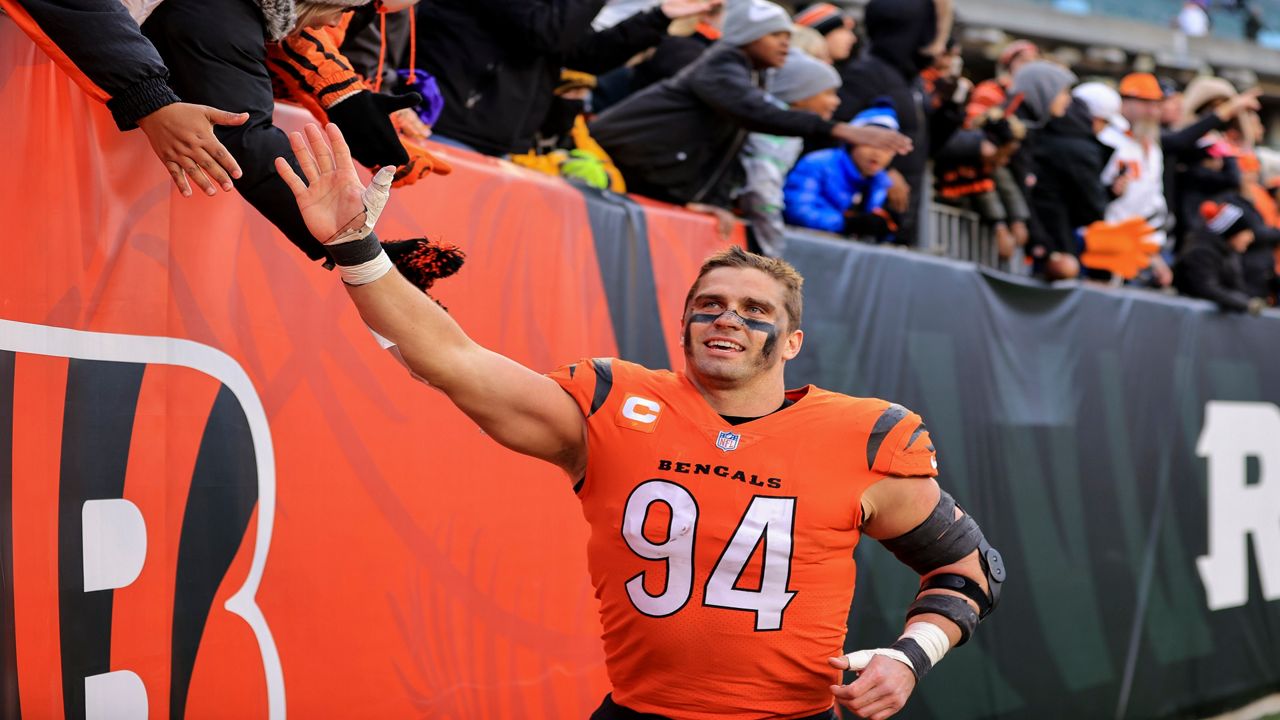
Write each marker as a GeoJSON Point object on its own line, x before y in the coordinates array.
{"type": "Point", "coordinates": [825, 184]}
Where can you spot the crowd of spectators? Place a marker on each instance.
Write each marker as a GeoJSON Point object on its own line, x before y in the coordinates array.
{"type": "Point", "coordinates": [776, 115]}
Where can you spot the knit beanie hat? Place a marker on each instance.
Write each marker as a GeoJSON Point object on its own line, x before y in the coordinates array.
{"type": "Point", "coordinates": [802, 77]}
{"type": "Point", "coordinates": [746, 21]}
{"type": "Point", "coordinates": [280, 16]}
{"type": "Point", "coordinates": [1039, 82]}
{"type": "Point", "coordinates": [823, 17]}
{"type": "Point", "coordinates": [880, 114]}
{"type": "Point", "coordinates": [1224, 219]}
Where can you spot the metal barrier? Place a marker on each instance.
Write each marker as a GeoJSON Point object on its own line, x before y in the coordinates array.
{"type": "Point", "coordinates": [960, 234]}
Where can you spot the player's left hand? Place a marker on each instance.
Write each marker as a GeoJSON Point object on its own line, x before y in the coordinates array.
{"type": "Point", "coordinates": [881, 690]}
{"type": "Point", "coordinates": [332, 196]}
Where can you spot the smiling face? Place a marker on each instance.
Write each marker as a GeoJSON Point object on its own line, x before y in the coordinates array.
{"type": "Point", "coordinates": [736, 328]}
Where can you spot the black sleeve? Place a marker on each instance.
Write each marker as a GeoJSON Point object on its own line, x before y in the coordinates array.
{"type": "Point", "coordinates": [1209, 181]}
{"type": "Point", "coordinates": [1200, 279]}
{"type": "Point", "coordinates": [673, 55]}
{"type": "Point", "coordinates": [944, 122]}
{"type": "Point", "coordinates": [553, 27]}
{"type": "Point", "coordinates": [600, 52]}
{"type": "Point", "coordinates": [1178, 142]}
{"type": "Point", "coordinates": [723, 81]}
{"type": "Point", "coordinates": [105, 44]}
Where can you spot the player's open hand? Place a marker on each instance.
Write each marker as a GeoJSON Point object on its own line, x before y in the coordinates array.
{"type": "Point", "coordinates": [881, 690]}
{"type": "Point", "coordinates": [330, 199]}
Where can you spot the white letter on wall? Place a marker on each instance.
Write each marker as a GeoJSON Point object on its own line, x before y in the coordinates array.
{"type": "Point", "coordinates": [1234, 432]}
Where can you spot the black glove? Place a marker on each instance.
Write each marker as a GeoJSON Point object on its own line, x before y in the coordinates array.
{"type": "Point", "coordinates": [866, 225]}
{"type": "Point", "coordinates": [364, 122]}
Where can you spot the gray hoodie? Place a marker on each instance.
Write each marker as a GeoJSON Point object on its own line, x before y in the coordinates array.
{"type": "Point", "coordinates": [1039, 82]}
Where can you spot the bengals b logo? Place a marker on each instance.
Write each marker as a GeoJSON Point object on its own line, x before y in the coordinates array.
{"type": "Point", "coordinates": [137, 493]}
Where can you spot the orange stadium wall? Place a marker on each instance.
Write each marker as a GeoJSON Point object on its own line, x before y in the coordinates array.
{"type": "Point", "coordinates": [376, 555]}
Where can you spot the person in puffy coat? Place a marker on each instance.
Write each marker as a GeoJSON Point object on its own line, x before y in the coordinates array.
{"type": "Point", "coordinates": [843, 190]}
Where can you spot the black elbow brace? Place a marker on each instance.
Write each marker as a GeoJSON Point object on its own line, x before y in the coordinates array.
{"type": "Point", "coordinates": [941, 540]}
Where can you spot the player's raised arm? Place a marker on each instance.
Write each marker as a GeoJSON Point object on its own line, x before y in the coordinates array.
{"type": "Point", "coordinates": [960, 577]}
{"type": "Point", "coordinates": [519, 408]}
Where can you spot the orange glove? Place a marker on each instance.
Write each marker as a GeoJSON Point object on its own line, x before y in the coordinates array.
{"type": "Point", "coordinates": [421, 163]}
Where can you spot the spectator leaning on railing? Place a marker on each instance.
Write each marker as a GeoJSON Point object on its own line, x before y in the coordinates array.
{"type": "Point", "coordinates": [109, 57]}
{"type": "Point", "coordinates": [217, 52]}
{"type": "Point", "coordinates": [803, 83]}
{"type": "Point", "coordinates": [679, 140]}
{"type": "Point", "coordinates": [1210, 267]}
{"type": "Point", "coordinates": [1040, 91]}
{"type": "Point", "coordinates": [498, 61]}
{"type": "Point", "coordinates": [844, 190]}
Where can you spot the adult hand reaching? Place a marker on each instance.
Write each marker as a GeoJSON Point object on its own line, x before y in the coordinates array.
{"type": "Point", "coordinates": [882, 687]}
{"type": "Point", "coordinates": [873, 136]}
{"type": "Point", "coordinates": [331, 198]}
{"type": "Point", "coordinates": [676, 9]}
{"type": "Point", "coordinates": [181, 134]}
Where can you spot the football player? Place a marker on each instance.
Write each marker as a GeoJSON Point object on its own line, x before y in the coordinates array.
{"type": "Point", "coordinates": [724, 508]}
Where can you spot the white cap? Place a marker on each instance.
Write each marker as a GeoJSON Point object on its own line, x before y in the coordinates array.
{"type": "Point", "coordinates": [1103, 102]}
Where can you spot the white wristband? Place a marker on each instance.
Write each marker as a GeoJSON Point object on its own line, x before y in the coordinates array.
{"type": "Point", "coordinates": [931, 639]}
{"type": "Point", "coordinates": [366, 272]}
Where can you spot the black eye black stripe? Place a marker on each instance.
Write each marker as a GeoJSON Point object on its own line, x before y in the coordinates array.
{"type": "Point", "coordinates": [767, 328]}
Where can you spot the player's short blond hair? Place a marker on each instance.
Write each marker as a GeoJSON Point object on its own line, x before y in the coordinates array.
{"type": "Point", "coordinates": [778, 269]}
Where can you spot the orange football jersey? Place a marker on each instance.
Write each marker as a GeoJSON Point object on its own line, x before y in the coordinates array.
{"type": "Point", "coordinates": [722, 555]}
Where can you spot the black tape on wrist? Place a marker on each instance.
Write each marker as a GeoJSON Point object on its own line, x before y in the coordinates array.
{"type": "Point", "coordinates": [950, 607]}
{"type": "Point", "coordinates": [919, 658]}
{"type": "Point", "coordinates": [356, 252]}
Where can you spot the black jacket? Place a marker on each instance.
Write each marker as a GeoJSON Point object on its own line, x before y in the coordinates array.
{"type": "Point", "coordinates": [1211, 270]}
{"type": "Point", "coordinates": [677, 140]}
{"type": "Point", "coordinates": [106, 45]}
{"type": "Point", "coordinates": [1179, 147]}
{"type": "Point", "coordinates": [1197, 182]}
{"type": "Point", "coordinates": [672, 55]}
{"type": "Point", "coordinates": [1068, 192]}
{"type": "Point", "coordinates": [498, 61]}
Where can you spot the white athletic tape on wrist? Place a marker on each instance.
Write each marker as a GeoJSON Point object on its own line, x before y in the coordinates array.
{"type": "Point", "coordinates": [366, 272]}
{"type": "Point", "coordinates": [858, 661]}
{"type": "Point", "coordinates": [931, 638]}
{"type": "Point", "coordinates": [375, 199]}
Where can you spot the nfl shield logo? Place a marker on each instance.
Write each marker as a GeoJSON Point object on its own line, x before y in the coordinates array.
{"type": "Point", "coordinates": [727, 440]}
